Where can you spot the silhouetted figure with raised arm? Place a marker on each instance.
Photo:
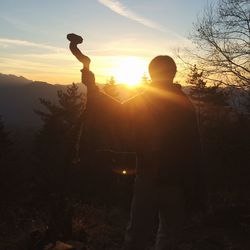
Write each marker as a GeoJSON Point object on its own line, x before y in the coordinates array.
{"type": "Point", "coordinates": [167, 144]}
{"type": "Point", "coordinates": [161, 127]}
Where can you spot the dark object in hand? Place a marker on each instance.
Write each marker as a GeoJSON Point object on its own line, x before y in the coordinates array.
{"type": "Point", "coordinates": [74, 41]}
{"type": "Point", "coordinates": [73, 38]}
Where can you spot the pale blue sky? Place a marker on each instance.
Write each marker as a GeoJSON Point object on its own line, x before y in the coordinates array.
{"type": "Point", "coordinates": [33, 35]}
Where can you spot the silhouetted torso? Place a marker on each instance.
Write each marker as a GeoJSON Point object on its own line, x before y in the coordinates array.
{"type": "Point", "coordinates": [164, 132]}
{"type": "Point", "coordinates": [159, 125]}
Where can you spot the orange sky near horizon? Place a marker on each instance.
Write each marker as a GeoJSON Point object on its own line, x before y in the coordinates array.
{"type": "Point", "coordinates": [120, 37]}
{"type": "Point", "coordinates": [125, 69]}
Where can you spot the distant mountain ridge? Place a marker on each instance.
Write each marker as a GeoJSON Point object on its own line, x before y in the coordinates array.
{"type": "Point", "coordinates": [20, 96]}
{"type": "Point", "coordinates": [13, 80]}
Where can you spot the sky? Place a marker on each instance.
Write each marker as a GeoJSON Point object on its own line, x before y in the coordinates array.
{"type": "Point", "coordinates": [120, 36]}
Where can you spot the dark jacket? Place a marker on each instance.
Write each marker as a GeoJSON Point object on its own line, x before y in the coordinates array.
{"type": "Point", "coordinates": [160, 126]}
{"type": "Point", "coordinates": [164, 134]}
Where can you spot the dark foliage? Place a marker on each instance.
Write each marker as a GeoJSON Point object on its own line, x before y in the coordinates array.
{"type": "Point", "coordinates": [4, 140]}
{"type": "Point", "coordinates": [54, 149]}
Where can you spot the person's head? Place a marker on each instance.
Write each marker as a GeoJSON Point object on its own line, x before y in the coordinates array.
{"type": "Point", "coordinates": [162, 69]}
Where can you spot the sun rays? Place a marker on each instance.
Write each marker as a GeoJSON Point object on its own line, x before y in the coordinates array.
{"type": "Point", "coordinates": [129, 70]}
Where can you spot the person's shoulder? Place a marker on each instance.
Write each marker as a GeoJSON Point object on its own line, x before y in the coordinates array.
{"type": "Point", "coordinates": [181, 97]}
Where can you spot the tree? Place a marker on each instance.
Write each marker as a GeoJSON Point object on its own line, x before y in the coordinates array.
{"type": "Point", "coordinates": [144, 80]}
{"type": "Point", "coordinates": [4, 140]}
{"type": "Point", "coordinates": [109, 87]}
{"type": "Point", "coordinates": [6, 169]}
{"type": "Point", "coordinates": [61, 123]}
{"type": "Point", "coordinates": [206, 98]}
{"type": "Point", "coordinates": [222, 39]}
{"type": "Point", "coordinates": [55, 149]}
{"type": "Point", "coordinates": [111, 81]}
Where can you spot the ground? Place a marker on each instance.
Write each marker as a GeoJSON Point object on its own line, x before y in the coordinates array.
{"type": "Point", "coordinates": [225, 227]}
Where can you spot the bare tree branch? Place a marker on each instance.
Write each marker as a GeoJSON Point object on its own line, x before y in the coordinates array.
{"type": "Point", "coordinates": [222, 39]}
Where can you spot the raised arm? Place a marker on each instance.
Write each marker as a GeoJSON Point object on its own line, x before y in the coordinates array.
{"type": "Point", "coordinates": [74, 41]}
{"type": "Point", "coordinates": [104, 116]}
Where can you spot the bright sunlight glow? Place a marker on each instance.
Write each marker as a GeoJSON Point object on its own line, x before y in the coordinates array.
{"type": "Point", "coordinates": [129, 70]}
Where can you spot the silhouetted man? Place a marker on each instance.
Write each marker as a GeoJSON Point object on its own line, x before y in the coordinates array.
{"type": "Point", "coordinates": [161, 127]}
{"type": "Point", "coordinates": [163, 132]}
{"type": "Point", "coordinates": [169, 159]}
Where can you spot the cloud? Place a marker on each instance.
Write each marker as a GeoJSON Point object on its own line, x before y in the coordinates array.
{"type": "Point", "coordinates": [5, 42]}
{"type": "Point", "coordinates": [122, 10]}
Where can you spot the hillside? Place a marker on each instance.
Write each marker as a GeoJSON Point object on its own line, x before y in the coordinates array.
{"type": "Point", "coordinates": [20, 96]}
{"type": "Point", "coordinates": [13, 80]}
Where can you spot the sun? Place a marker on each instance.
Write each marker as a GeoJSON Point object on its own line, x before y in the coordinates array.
{"type": "Point", "coordinates": [129, 70]}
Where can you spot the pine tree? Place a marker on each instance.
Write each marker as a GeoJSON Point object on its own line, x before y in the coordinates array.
{"type": "Point", "coordinates": [55, 145]}
{"type": "Point", "coordinates": [205, 97]}
{"type": "Point", "coordinates": [109, 87]}
{"type": "Point", "coordinates": [61, 123]}
{"type": "Point", "coordinates": [4, 140]}
{"type": "Point", "coordinates": [111, 81]}
{"type": "Point", "coordinates": [144, 80]}
{"type": "Point", "coordinates": [5, 167]}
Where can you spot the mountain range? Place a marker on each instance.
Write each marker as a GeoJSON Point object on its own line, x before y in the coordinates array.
{"type": "Point", "coordinates": [20, 96]}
